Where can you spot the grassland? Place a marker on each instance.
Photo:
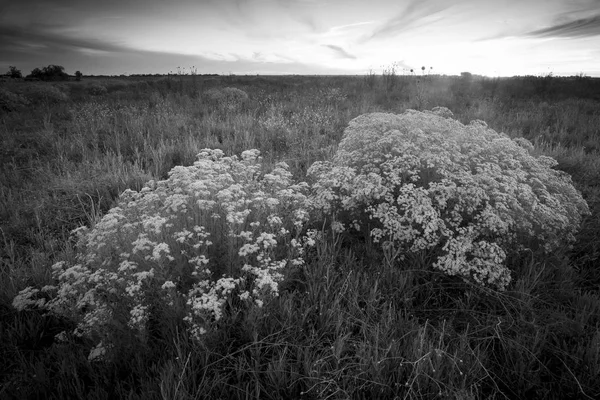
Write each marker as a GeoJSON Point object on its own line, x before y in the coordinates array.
{"type": "Point", "coordinates": [343, 326]}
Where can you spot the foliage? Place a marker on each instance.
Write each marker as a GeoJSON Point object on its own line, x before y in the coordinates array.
{"type": "Point", "coordinates": [43, 93]}
{"type": "Point", "coordinates": [13, 72]}
{"type": "Point", "coordinates": [228, 99]}
{"type": "Point", "coordinates": [465, 197]}
{"type": "Point", "coordinates": [50, 73]}
{"type": "Point", "coordinates": [217, 233]}
{"type": "Point", "coordinates": [10, 101]}
{"type": "Point", "coordinates": [96, 89]}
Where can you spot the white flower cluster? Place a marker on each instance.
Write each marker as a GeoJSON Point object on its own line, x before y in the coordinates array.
{"type": "Point", "coordinates": [464, 195]}
{"type": "Point", "coordinates": [219, 229]}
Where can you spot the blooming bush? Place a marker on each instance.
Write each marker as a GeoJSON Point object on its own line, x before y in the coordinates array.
{"type": "Point", "coordinates": [427, 187]}
{"type": "Point", "coordinates": [213, 236]}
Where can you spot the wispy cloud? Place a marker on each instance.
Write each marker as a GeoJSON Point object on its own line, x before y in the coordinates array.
{"type": "Point", "coordinates": [417, 13]}
{"type": "Point", "coordinates": [340, 52]}
{"type": "Point", "coordinates": [16, 39]}
{"type": "Point", "coordinates": [582, 27]}
{"type": "Point", "coordinates": [342, 28]}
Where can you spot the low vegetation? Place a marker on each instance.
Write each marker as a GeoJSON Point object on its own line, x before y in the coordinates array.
{"type": "Point", "coordinates": [300, 237]}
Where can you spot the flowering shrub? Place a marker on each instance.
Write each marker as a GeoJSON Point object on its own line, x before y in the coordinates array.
{"type": "Point", "coordinates": [214, 235]}
{"type": "Point", "coordinates": [425, 186]}
{"type": "Point", "coordinates": [228, 99]}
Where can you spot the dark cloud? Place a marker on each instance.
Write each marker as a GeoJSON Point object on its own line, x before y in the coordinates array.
{"type": "Point", "coordinates": [411, 17]}
{"type": "Point", "coordinates": [43, 37]}
{"type": "Point", "coordinates": [582, 27]}
{"type": "Point", "coordinates": [340, 52]}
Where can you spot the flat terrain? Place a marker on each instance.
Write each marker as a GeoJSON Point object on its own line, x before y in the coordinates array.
{"type": "Point", "coordinates": [344, 325]}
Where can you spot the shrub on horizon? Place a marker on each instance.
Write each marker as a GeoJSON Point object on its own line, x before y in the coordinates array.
{"type": "Point", "coordinates": [214, 237]}
{"type": "Point", "coordinates": [464, 197]}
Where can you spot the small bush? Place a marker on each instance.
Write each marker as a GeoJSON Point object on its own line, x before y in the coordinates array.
{"type": "Point", "coordinates": [229, 99]}
{"type": "Point", "coordinates": [212, 239]}
{"type": "Point", "coordinates": [10, 101]}
{"type": "Point", "coordinates": [96, 89]}
{"type": "Point", "coordinates": [463, 198]}
{"type": "Point", "coordinates": [39, 93]}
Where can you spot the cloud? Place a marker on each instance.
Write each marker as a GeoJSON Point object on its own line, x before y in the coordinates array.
{"type": "Point", "coordinates": [42, 37]}
{"type": "Point", "coordinates": [340, 52]}
{"type": "Point", "coordinates": [38, 46]}
{"type": "Point", "coordinates": [341, 28]}
{"type": "Point", "coordinates": [417, 13]}
{"type": "Point", "coordinates": [583, 27]}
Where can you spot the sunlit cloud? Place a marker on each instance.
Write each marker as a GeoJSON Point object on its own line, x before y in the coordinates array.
{"type": "Point", "coordinates": [417, 13]}
{"type": "Point", "coordinates": [582, 27]}
{"type": "Point", "coordinates": [340, 52]}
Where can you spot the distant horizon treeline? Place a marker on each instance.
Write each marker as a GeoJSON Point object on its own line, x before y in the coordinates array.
{"type": "Point", "coordinates": [57, 73]}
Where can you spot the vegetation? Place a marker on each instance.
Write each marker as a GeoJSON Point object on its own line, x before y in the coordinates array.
{"type": "Point", "coordinates": [225, 237]}
{"type": "Point", "coordinates": [13, 72]}
{"type": "Point", "coordinates": [49, 73]}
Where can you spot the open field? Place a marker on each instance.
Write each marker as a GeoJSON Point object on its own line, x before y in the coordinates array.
{"type": "Point", "coordinates": [347, 323]}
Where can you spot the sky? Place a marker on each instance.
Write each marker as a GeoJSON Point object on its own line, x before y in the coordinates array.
{"type": "Point", "coordinates": [321, 37]}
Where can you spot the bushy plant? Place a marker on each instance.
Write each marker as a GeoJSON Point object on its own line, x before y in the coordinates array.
{"type": "Point", "coordinates": [10, 101]}
{"type": "Point", "coordinates": [50, 73]}
{"type": "Point", "coordinates": [13, 72]}
{"type": "Point", "coordinates": [213, 238]}
{"type": "Point", "coordinates": [38, 93]}
{"type": "Point", "coordinates": [228, 99]}
{"type": "Point", "coordinates": [460, 198]}
{"type": "Point", "coordinates": [96, 89]}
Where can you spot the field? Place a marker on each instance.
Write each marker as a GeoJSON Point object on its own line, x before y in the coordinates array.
{"type": "Point", "coordinates": [347, 321]}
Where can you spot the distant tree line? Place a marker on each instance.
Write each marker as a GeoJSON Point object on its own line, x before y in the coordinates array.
{"type": "Point", "coordinates": [49, 73]}
{"type": "Point", "coordinates": [57, 73]}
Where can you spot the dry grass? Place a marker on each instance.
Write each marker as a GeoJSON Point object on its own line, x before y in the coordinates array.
{"type": "Point", "coordinates": [344, 326]}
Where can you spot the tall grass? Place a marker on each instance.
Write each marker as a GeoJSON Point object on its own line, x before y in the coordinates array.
{"type": "Point", "coordinates": [344, 324]}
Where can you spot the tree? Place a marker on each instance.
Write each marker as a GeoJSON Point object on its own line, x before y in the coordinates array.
{"type": "Point", "coordinates": [50, 73]}
{"type": "Point", "coordinates": [55, 72]}
{"type": "Point", "coordinates": [13, 72]}
{"type": "Point", "coordinates": [36, 73]}
{"type": "Point", "coordinates": [78, 75]}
